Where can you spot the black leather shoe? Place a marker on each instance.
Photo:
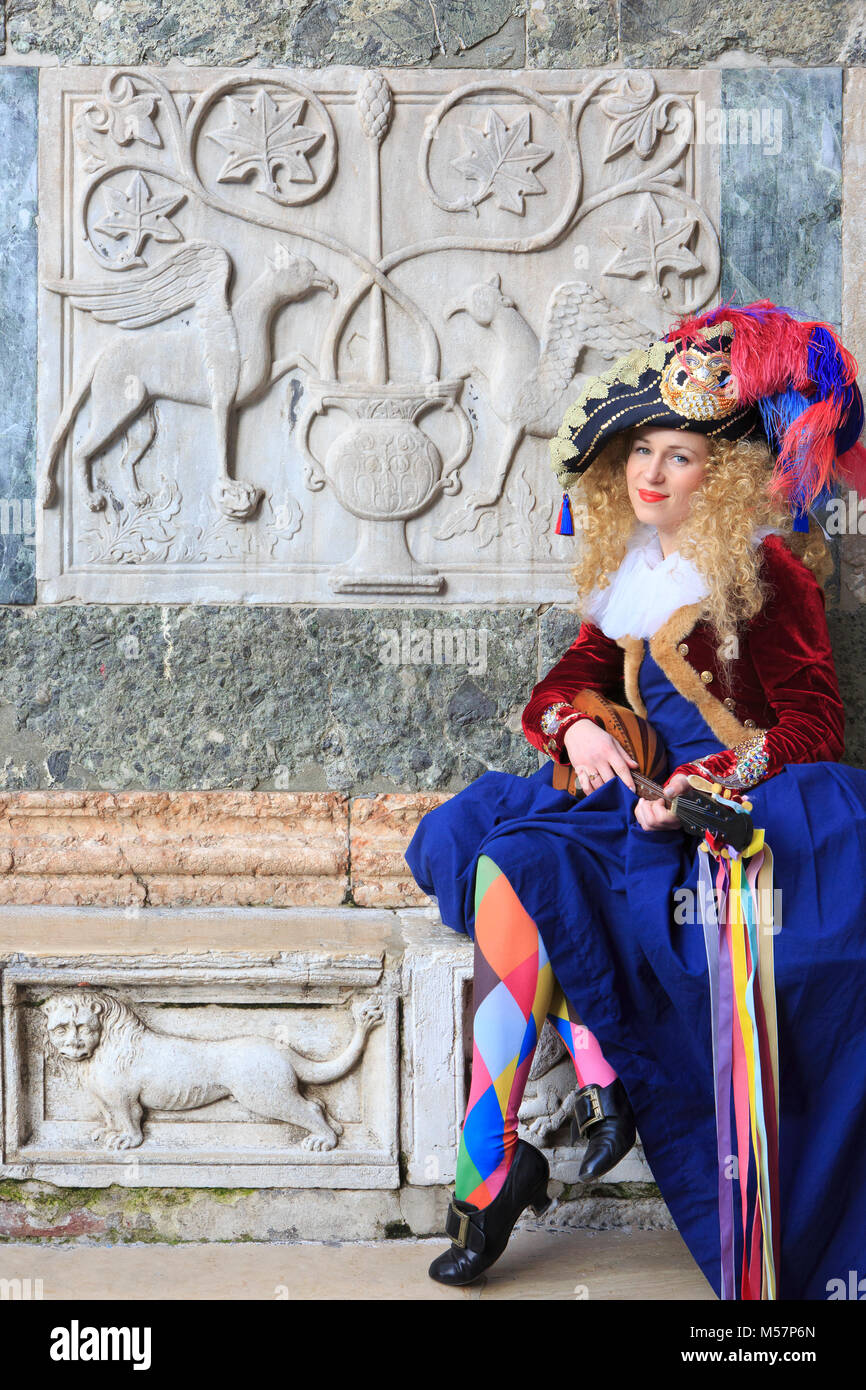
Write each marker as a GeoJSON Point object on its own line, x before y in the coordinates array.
{"type": "Point", "coordinates": [478, 1238]}
{"type": "Point", "coordinates": [604, 1115]}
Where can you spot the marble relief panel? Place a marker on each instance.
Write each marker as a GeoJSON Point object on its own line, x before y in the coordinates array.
{"type": "Point", "coordinates": [304, 335]}
{"type": "Point", "coordinates": [194, 1071]}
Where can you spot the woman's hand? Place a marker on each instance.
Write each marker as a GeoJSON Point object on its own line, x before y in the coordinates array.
{"type": "Point", "coordinates": [596, 756]}
{"type": "Point", "coordinates": [654, 815]}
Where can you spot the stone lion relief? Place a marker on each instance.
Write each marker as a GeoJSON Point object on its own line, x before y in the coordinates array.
{"type": "Point", "coordinates": [128, 1068]}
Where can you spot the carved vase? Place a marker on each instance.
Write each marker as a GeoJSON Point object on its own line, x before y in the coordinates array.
{"type": "Point", "coordinates": [384, 469]}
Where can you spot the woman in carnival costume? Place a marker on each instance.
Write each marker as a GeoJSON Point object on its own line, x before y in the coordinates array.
{"type": "Point", "coordinates": [733, 1037]}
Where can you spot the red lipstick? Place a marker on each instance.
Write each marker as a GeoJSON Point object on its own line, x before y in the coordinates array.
{"type": "Point", "coordinates": [646, 496]}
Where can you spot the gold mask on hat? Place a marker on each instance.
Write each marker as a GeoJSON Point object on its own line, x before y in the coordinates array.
{"type": "Point", "coordinates": [699, 385]}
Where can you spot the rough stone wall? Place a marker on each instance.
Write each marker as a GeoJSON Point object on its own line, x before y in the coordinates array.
{"type": "Point", "coordinates": [448, 33]}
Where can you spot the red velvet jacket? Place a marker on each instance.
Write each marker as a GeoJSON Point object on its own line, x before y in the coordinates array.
{"type": "Point", "coordinates": [781, 703]}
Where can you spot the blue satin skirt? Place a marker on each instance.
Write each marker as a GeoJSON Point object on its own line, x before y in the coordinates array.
{"type": "Point", "coordinates": [630, 956]}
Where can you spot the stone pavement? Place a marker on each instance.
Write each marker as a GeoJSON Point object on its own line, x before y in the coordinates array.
{"type": "Point", "coordinates": [593, 1265]}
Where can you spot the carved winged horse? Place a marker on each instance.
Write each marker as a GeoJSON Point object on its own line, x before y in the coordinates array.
{"type": "Point", "coordinates": [531, 385]}
{"type": "Point", "coordinates": [222, 359]}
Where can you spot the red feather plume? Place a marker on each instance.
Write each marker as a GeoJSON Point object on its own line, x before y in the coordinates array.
{"type": "Point", "coordinates": [772, 353]}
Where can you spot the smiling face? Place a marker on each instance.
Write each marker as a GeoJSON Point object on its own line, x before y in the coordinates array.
{"type": "Point", "coordinates": [663, 469]}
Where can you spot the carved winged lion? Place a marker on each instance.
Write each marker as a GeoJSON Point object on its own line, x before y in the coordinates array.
{"type": "Point", "coordinates": [220, 358]}
{"type": "Point", "coordinates": [129, 1068]}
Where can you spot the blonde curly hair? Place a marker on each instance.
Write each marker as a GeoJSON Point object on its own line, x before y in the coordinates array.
{"type": "Point", "coordinates": [731, 501]}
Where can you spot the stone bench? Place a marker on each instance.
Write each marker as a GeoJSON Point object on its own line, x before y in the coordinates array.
{"type": "Point", "coordinates": [160, 989]}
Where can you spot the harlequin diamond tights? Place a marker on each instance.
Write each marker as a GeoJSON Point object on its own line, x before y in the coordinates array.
{"type": "Point", "coordinates": [514, 991]}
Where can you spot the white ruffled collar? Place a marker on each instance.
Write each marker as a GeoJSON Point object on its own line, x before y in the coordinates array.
{"type": "Point", "coordinates": [648, 586]}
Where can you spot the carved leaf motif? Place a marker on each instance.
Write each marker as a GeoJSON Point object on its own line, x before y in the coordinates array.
{"type": "Point", "coordinates": [131, 112]}
{"type": "Point", "coordinates": [529, 526]}
{"type": "Point", "coordinates": [392, 409]}
{"type": "Point", "coordinates": [136, 213]}
{"type": "Point", "coordinates": [638, 130]}
{"type": "Point", "coordinates": [123, 113]}
{"type": "Point", "coordinates": [216, 537]}
{"type": "Point", "coordinates": [638, 117]}
{"type": "Point", "coordinates": [501, 159]}
{"type": "Point", "coordinates": [520, 519]}
{"type": "Point", "coordinates": [281, 522]}
{"type": "Point", "coordinates": [487, 529]}
{"type": "Point", "coordinates": [226, 541]}
{"type": "Point", "coordinates": [136, 533]}
{"type": "Point", "coordinates": [288, 515]}
{"type": "Point", "coordinates": [653, 245]}
{"type": "Point", "coordinates": [264, 137]}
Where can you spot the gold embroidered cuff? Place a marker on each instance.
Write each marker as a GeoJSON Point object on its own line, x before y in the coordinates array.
{"type": "Point", "coordinates": [753, 759]}
{"type": "Point", "coordinates": [750, 767]}
{"type": "Point", "coordinates": [554, 716]}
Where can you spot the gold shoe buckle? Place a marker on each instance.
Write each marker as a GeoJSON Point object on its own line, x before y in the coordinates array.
{"type": "Point", "coordinates": [597, 1111]}
{"type": "Point", "coordinates": [463, 1218]}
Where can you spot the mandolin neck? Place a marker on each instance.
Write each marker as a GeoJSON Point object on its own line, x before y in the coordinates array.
{"type": "Point", "coordinates": [652, 791]}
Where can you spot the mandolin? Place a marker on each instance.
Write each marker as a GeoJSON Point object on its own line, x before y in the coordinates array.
{"type": "Point", "coordinates": [698, 812]}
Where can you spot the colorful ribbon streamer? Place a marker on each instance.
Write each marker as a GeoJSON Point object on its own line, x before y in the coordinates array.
{"type": "Point", "coordinates": [737, 917]}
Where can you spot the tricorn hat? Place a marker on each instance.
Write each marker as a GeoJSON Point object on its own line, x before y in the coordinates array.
{"type": "Point", "coordinates": [731, 373]}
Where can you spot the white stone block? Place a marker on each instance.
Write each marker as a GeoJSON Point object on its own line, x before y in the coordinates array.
{"type": "Point", "coordinates": [437, 1061]}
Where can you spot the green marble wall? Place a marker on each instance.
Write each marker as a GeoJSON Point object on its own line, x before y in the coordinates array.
{"type": "Point", "coordinates": [479, 33]}
{"type": "Point", "coordinates": [781, 204]}
{"type": "Point", "coordinates": [262, 698]}
{"type": "Point", "coordinates": [18, 107]}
